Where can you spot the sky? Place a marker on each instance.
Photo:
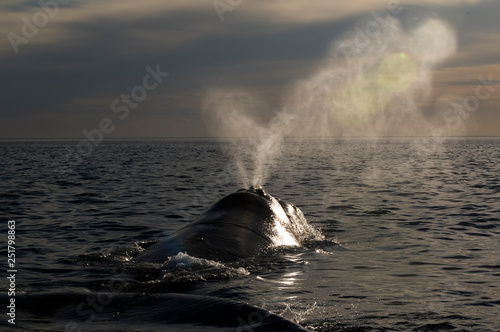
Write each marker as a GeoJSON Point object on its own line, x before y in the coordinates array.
{"type": "Point", "coordinates": [130, 69]}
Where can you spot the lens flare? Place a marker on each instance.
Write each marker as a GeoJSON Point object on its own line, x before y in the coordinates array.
{"type": "Point", "coordinates": [372, 91]}
{"type": "Point", "coordinates": [396, 73]}
{"type": "Point", "coordinates": [373, 84]}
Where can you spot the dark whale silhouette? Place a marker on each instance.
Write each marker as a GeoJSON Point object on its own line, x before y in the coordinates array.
{"type": "Point", "coordinates": [71, 311]}
{"type": "Point", "coordinates": [238, 226]}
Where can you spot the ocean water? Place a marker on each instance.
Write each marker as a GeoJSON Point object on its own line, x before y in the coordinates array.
{"type": "Point", "coordinates": [411, 226]}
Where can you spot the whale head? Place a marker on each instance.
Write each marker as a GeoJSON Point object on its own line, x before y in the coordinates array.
{"type": "Point", "coordinates": [238, 226]}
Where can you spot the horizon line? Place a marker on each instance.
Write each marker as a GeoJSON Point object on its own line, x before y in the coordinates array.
{"type": "Point", "coordinates": [237, 137]}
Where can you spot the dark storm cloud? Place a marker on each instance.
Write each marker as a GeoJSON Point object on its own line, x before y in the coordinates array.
{"type": "Point", "coordinates": [104, 57]}
{"type": "Point", "coordinates": [85, 59]}
{"type": "Point", "coordinates": [100, 57]}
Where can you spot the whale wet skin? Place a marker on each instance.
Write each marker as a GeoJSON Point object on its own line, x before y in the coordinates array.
{"type": "Point", "coordinates": [238, 226]}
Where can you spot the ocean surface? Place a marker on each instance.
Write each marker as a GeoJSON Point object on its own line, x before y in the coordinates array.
{"type": "Point", "coordinates": [411, 226]}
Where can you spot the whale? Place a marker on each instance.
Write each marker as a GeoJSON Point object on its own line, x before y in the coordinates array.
{"type": "Point", "coordinates": [71, 311]}
{"type": "Point", "coordinates": [238, 226]}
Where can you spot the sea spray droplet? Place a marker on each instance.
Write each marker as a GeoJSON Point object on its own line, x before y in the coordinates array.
{"type": "Point", "coordinates": [373, 85]}
{"type": "Point", "coordinates": [255, 146]}
{"type": "Point", "coordinates": [433, 41]}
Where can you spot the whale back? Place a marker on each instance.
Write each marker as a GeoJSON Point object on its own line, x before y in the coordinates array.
{"type": "Point", "coordinates": [236, 226]}
{"type": "Point", "coordinates": [240, 225]}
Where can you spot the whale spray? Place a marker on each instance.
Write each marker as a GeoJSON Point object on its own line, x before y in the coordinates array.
{"type": "Point", "coordinates": [372, 83]}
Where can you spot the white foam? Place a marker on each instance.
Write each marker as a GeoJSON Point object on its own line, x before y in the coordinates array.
{"type": "Point", "coordinates": [184, 262]}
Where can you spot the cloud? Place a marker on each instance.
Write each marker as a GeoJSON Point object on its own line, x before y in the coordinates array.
{"type": "Point", "coordinates": [131, 16]}
{"type": "Point", "coordinates": [303, 12]}
{"type": "Point", "coordinates": [93, 50]}
{"type": "Point", "coordinates": [473, 83]}
{"type": "Point", "coordinates": [73, 21]}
